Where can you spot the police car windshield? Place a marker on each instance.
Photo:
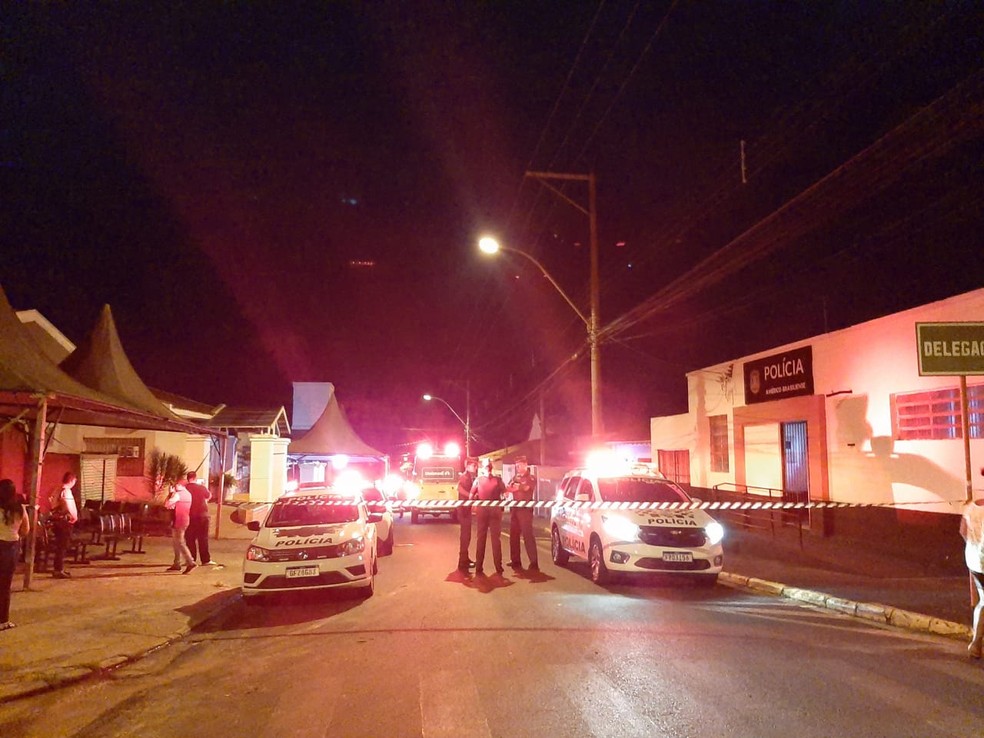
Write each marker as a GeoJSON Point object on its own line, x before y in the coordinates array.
{"type": "Point", "coordinates": [638, 489]}
{"type": "Point", "coordinates": [286, 514]}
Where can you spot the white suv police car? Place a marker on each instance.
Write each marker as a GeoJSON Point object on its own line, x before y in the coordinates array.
{"type": "Point", "coordinates": [665, 541]}
{"type": "Point", "coordinates": [312, 541]}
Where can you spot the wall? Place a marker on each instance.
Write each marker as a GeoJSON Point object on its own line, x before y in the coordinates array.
{"type": "Point", "coordinates": [852, 454]}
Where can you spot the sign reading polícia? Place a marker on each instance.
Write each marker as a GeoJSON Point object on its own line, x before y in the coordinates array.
{"type": "Point", "coordinates": [776, 377]}
{"type": "Point", "coordinates": [950, 348]}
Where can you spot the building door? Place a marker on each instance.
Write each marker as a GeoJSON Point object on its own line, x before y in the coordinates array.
{"type": "Point", "coordinates": [795, 461]}
{"type": "Point", "coordinates": [675, 465]}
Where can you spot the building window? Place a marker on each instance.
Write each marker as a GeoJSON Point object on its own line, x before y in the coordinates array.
{"type": "Point", "coordinates": [935, 415]}
{"type": "Point", "coordinates": [719, 443]}
{"type": "Point", "coordinates": [130, 453]}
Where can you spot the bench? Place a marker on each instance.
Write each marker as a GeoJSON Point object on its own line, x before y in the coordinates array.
{"type": "Point", "coordinates": [113, 528]}
{"type": "Point", "coordinates": [45, 546]}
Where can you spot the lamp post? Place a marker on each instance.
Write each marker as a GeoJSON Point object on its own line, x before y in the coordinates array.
{"type": "Point", "coordinates": [490, 245]}
{"type": "Point", "coordinates": [466, 421]}
{"type": "Point", "coordinates": [597, 422]}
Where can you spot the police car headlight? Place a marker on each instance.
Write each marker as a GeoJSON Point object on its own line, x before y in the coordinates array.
{"type": "Point", "coordinates": [714, 532]}
{"type": "Point", "coordinates": [619, 528]}
{"type": "Point", "coordinates": [356, 545]}
{"type": "Point", "coordinates": [255, 553]}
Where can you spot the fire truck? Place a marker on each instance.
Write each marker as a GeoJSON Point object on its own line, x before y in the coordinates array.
{"type": "Point", "coordinates": [434, 476]}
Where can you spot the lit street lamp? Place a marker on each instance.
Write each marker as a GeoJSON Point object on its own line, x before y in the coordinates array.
{"type": "Point", "coordinates": [490, 245]}
{"type": "Point", "coordinates": [466, 421]}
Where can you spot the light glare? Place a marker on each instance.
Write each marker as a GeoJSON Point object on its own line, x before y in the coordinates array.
{"type": "Point", "coordinates": [488, 245]}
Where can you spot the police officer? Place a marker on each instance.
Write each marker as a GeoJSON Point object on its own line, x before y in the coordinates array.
{"type": "Point", "coordinates": [488, 519]}
{"type": "Point", "coordinates": [522, 488]}
{"type": "Point", "coordinates": [465, 483]}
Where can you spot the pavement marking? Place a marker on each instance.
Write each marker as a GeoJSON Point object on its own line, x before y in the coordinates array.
{"type": "Point", "coordinates": [450, 706]}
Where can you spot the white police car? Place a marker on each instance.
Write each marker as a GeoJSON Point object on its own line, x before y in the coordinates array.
{"type": "Point", "coordinates": [665, 541]}
{"type": "Point", "coordinates": [312, 541]}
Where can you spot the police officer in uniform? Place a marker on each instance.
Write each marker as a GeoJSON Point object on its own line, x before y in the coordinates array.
{"type": "Point", "coordinates": [488, 519]}
{"type": "Point", "coordinates": [522, 488]}
{"type": "Point", "coordinates": [465, 483]}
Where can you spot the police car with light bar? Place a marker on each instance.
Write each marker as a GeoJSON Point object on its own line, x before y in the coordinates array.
{"type": "Point", "coordinates": [680, 542]}
{"type": "Point", "coordinates": [312, 541]}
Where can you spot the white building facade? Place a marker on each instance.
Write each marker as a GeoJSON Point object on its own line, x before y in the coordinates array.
{"type": "Point", "coordinates": [845, 417]}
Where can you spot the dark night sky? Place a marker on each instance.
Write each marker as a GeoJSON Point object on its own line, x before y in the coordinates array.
{"type": "Point", "coordinates": [210, 171]}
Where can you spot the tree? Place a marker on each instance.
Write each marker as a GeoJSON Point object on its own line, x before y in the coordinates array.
{"type": "Point", "coordinates": [163, 471]}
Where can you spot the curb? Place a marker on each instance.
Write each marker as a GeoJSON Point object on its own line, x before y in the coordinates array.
{"type": "Point", "coordinates": [873, 611]}
{"type": "Point", "coordinates": [68, 675]}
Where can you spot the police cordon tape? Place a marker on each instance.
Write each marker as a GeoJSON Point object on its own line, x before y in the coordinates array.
{"type": "Point", "coordinates": [744, 505]}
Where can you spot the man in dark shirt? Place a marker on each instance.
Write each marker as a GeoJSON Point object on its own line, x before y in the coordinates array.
{"type": "Point", "coordinates": [197, 534]}
{"type": "Point", "coordinates": [488, 519]}
{"type": "Point", "coordinates": [465, 482]}
{"type": "Point", "coordinates": [522, 488]}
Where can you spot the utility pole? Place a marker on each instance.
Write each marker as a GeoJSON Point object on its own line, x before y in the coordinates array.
{"type": "Point", "coordinates": [597, 422]}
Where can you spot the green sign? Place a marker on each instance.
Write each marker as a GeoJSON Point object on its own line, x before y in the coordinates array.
{"type": "Point", "coordinates": [950, 348]}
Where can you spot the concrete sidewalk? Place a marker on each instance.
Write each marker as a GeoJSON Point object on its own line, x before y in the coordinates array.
{"type": "Point", "coordinates": [113, 612]}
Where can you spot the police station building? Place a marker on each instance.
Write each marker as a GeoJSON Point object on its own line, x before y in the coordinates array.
{"type": "Point", "coordinates": [857, 415]}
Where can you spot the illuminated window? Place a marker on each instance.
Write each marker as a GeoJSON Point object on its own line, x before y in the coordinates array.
{"type": "Point", "coordinates": [935, 415]}
{"type": "Point", "coordinates": [719, 443]}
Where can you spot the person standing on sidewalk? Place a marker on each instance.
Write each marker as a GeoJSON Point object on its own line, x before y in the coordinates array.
{"type": "Point", "coordinates": [64, 515]}
{"type": "Point", "coordinates": [14, 524]}
{"type": "Point", "coordinates": [198, 525]}
{"type": "Point", "coordinates": [465, 483]}
{"type": "Point", "coordinates": [488, 520]}
{"type": "Point", "coordinates": [522, 488]}
{"type": "Point", "coordinates": [180, 503]}
{"type": "Point", "coordinates": [972, 530]}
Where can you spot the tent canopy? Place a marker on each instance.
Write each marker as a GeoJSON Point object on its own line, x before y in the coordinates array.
{"type": "Point", "coordinates": [331, 435]}
{"type": "Point", "coordinates": [27, 376]}
{"type": "Point", "coordinates": [101, 363]}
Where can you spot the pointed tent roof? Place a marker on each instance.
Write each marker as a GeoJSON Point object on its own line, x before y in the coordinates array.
{"type": "Point", "coordinates": [331, 434]}
{"type": "Point", "coordinates": [25, 372]}
{"type": "Point", "coordinates": [100, 362]}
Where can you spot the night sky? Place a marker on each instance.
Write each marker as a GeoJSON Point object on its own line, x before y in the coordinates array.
{"type": "Point", "coordinates": [268, 193]}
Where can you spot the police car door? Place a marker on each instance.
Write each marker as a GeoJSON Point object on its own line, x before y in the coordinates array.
{"type": "Point", "coordinates": [581, 518]}
{"type": "Point", "coordinates": [567, 514]}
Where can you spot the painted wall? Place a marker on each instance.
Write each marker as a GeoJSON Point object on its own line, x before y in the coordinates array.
{"type": "Point", "coordinates": [855, 371]}
{"type": "Point", "coordinates": [268, 467]}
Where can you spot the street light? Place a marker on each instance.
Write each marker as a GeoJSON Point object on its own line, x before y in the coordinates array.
{"type": "Point", "coordinates": [489, 245]}
{"type": "Point", "coordinates": [466, 421]}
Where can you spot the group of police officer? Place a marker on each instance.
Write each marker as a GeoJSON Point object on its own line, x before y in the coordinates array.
{"type": "Point", "coordinates": [488, 519]}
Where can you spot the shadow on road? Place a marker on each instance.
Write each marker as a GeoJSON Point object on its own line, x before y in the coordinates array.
{"type": "Point", "coordinates": [290, 608]}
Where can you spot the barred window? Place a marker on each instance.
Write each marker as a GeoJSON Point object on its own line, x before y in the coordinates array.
{"type": "Point", "coordinates": [936, 415]}
{"type": "Point", "coordinates": [719, 443]}
{"type": "Point", "coordinates": [129, 450]}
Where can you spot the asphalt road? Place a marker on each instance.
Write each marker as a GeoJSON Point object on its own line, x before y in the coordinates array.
{"type": "Point", "coordinates": [431, 656]}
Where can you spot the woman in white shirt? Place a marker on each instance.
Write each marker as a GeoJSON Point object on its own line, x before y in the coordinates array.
{"type": "Point", "coordinates": [972, 530]}
{"type": "Point", "coordinates": [14, 523]}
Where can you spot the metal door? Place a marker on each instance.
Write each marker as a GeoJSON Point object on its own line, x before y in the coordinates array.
{"type": "Point", "coordinates": [795, 461]}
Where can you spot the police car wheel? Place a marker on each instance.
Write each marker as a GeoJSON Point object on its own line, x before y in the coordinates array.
{"type": "Point", "coordinates": [368, 590]}
{"type": "Point", "coordinates": [596, 560]}
{"type": "Point", "coordinates": [557, 553]}
{"type": "Point", "coordinates": [386, 547]}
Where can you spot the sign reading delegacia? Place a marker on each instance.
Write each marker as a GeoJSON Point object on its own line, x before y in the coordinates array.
{"type": "Point", "coordinates": [950, 348]}
{"type": "Point", "coordinates": [789, 374]}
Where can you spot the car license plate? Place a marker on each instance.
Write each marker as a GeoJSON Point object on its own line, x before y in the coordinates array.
{"type": "Point", "coordinates": [302, 571]}
{"type": "Point", "coordinates": [678, 556]}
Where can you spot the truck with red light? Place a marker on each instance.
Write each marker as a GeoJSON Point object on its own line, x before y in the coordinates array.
{"type": "Point", "coordinates": [434, 479]}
